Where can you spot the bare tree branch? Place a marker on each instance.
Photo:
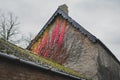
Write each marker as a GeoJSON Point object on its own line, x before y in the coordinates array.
{"type": "Point", "coordinates": [8, 26]}
{"type": "Point", "coordinates": [27, 39]}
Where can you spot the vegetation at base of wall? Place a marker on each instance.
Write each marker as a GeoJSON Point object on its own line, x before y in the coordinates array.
{"type": "Point", "coordinates": [9, 48]}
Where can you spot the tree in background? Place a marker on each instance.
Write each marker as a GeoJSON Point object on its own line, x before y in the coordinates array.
{"type": "Point", "coordinates": [9, 30]}
{"type": "Point", "coordinates": [26, 40]}
{"type": "Point", "coordinates": [9, 27]}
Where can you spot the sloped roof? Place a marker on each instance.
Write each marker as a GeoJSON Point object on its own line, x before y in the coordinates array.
{"type": "Point", "coordinates": [69, 19]}
{"type": "Point", "coordinates": [91, 37]}
{"type": "Point", "coordinates": [18, 54]}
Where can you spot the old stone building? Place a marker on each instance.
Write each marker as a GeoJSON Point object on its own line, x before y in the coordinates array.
{"type": "Point", "coordinates": [62, 50]}
{"type": "Point", "coordinates": [66, 42]}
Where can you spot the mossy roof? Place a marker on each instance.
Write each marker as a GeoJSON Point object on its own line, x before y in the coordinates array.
{"type": "Point", "coordinates": [11, 49]}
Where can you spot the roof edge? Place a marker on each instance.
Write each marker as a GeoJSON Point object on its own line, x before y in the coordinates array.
{"type": "Point", "coordinates": [32, 64]}
{"type": "Point", "coordinates": [73, 22]}
{"type": "Point", "coordinates": [106, 48]}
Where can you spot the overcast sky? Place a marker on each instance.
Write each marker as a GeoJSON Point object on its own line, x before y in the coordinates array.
{"type": "Point", "coordinates": [100, 17]}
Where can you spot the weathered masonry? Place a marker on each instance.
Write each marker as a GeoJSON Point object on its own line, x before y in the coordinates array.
{"type": "Point", "coordinates": [66, 42]}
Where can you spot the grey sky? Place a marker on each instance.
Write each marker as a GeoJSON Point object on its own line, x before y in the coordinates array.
{"type": "Point", "coordinates": [100, 17]}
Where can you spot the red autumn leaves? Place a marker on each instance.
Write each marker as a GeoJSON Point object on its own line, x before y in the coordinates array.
{"type": "Point", "coordinates": [51, 44]}
{"type": "Point", "coordinates": [61, 37]}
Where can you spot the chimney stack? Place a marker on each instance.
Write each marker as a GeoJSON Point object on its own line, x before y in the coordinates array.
{"type": "Point", "coordinates": [64, 8]}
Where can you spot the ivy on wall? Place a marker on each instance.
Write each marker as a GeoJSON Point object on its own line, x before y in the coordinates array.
{"type": "Point", "coordinates": [50, 44]}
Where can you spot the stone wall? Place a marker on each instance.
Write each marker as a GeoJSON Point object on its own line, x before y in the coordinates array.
{"type": "Point", "coordinates": [76, 51]}
{"type": "Point", "coordinates": [108, 67]}
{"type": "Point", "coordinates": [88, 58]}
{"type": "Point", "coordinates": [82, 56]}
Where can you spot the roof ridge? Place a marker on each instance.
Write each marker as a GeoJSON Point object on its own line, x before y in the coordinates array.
{"type": "Point", "coordinates": [67, 17]}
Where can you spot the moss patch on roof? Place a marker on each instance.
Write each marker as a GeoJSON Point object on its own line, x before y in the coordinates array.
{"type": "Point", "coordinates": [25, 54]}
